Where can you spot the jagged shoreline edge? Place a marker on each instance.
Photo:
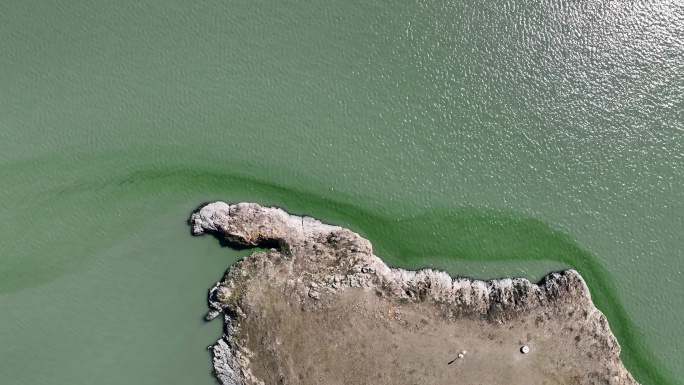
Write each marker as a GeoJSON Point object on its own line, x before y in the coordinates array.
{"type": "Point", "coordinates": [251, 225]}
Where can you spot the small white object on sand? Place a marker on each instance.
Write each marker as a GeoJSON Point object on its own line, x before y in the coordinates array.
{"type": "Point", "coordinates": [525, 349]}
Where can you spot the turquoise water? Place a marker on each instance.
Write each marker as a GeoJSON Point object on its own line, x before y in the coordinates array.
{"type": "Point", "coordinates": [487, 139]}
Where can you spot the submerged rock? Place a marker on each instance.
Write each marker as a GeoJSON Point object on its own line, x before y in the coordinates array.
{"type": "Point", "coordinates": [318, 307]}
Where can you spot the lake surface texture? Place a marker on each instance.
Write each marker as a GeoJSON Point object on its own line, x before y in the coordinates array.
{"type": "Point", "coordinates": [486, 138]}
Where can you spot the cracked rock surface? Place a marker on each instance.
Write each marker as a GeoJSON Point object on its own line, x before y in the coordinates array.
{"type": "Point", "coordinates": [318, 307]}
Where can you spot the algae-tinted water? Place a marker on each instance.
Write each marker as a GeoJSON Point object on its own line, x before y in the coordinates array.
{"type": "Point", "coordinates": [487, 139]}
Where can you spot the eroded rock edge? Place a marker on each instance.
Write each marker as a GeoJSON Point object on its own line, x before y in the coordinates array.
{"type": "Point", "coordinates": [318, 247]}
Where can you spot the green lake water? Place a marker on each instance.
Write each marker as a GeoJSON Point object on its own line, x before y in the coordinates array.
{"type": "Point", "coordinates": [485, 138]}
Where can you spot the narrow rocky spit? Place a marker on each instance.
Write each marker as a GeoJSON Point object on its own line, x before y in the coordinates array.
{"type": "Point", "coordinates": [317, 307]}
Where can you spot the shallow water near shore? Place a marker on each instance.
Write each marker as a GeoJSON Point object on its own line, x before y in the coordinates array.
{"type": "Point", "coordinates": [487, 141]}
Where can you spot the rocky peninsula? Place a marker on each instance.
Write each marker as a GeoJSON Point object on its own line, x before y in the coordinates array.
{"type": "Point", "coordinates": [316, 306]}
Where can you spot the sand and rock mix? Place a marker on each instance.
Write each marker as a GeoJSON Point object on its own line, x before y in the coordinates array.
{"type": "Point", "coordinates": [319, 308]}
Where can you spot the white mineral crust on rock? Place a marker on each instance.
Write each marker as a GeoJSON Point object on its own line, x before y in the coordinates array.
{"type": "Point", "coordinates": [321, 273]}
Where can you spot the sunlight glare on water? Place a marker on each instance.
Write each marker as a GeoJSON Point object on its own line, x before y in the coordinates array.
{"type": "Point", "coordinates": [484, 138]}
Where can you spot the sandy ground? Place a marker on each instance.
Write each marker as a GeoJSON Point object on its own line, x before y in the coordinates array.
{"type": "Point", "coordinates": [361, 337]}
{"type": "Point", "coordinates": [320, 308]}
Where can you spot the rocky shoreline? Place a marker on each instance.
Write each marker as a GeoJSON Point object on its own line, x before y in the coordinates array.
{"type": "Point", "coordinates": [312, 275]}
